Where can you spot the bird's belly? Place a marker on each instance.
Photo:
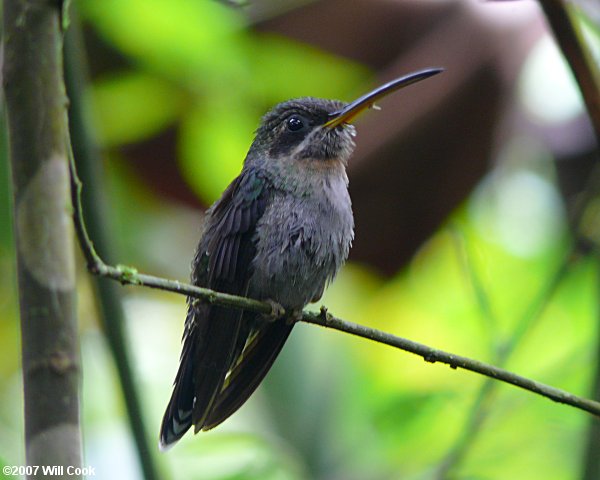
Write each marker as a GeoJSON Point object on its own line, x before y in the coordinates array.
{"type": "Point", "coordinates": [298, 252]}
{"type": "Point", "coordinates": [291, 278]}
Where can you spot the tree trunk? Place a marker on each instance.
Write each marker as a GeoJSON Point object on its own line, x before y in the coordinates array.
{"type": "Point", "coordinates": [38, 137]}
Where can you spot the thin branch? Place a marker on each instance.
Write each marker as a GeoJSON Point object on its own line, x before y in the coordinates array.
{"type": "Point", "coordinates": [130, 276]}
{"type": "Point", "coordinates": [108, 293]}
{"type": "Point", "coordinates": [478, 412]}
{"type": "Point", "coordinates": [433, 355]}
{"type": "Point", "coordinates": [569, 38]}
{"type": "Point", "coordinates": [502, 352]}
{"type": "Point", "coordinates": [591, 460]}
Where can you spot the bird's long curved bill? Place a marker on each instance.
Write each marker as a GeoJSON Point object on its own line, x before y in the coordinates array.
{"type": "Point", "coordinates": [346, 114]}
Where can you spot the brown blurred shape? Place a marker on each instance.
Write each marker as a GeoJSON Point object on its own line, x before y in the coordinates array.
{"type": "Point", "coordinates": [421, 156]}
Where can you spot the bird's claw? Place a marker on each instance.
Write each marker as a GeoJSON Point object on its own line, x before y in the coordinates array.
{"type": "Point", "coordinates": [277, 311]}
{"type": "Point", "coordinates": [294, 317]}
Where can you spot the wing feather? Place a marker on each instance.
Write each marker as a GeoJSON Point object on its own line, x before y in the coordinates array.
{"type": "Point", "coordinates": [213, 334]}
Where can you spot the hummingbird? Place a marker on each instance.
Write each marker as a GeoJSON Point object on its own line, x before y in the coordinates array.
{"type": "Point", "coordinates": [279, 233]}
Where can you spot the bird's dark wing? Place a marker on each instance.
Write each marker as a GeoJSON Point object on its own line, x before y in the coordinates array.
{"type": "Point", "coordinates": [213, 334]}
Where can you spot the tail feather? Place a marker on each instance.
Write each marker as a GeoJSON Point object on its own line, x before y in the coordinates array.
{"type": "Point", "coordinates": [178, 415]}
{"type": "Point", "coordinates": [255, 362]}
{"type": "Point", "coordinates": [217, 372]}
{"type": "Point", "coordinates": [205, 360]}
{"type": "Point", "coordinates": [214, 360]}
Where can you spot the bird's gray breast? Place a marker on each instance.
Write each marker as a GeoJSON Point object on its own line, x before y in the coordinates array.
{"type": "Point", "coordinates": [302, 240]}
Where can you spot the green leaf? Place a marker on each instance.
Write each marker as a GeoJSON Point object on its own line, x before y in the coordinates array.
{"type": "Point", "coordinates": [284, 69]}
{"type": "Point", "coordinates": [133, 106]}
{"type": "Point", "coordinates": [184, 38]}
{"type": "Point", "coordinates": [213, 144]}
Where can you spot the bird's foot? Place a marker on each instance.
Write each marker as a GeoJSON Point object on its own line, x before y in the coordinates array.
{"type": "Point", "coordinates": [277, 311]}
{"type": "Point", "coordinates": [294, 316]}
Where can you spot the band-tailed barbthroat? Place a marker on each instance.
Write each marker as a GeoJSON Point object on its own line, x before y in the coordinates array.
{"type": "Point", "coordinates": [279, 233]}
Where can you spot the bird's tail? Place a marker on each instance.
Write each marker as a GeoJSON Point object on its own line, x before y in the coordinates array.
{"type": "Point", "coordinates": [178, 415]}
{"type": "Point", "coordinates": [208, 346]}
{"type": "Point", "coordinates": [248, 371]}
{"type": "Point", "coordinates": [211, 385]}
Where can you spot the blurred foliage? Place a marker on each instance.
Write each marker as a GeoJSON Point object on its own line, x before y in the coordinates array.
{"type": "Point", "coordinates": [333, 406]}
{"type": "Point", "coordinates": [216, 80]}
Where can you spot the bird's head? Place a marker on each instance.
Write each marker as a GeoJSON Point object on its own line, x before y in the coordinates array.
{"type": "Point", "coordinates": [297, 130]}
{"type": "Point", "coordinates": [315, 131]}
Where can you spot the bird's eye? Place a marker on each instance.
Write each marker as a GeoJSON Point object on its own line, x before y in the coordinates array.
{"type": "Point", "coordinates": [295, 123]}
